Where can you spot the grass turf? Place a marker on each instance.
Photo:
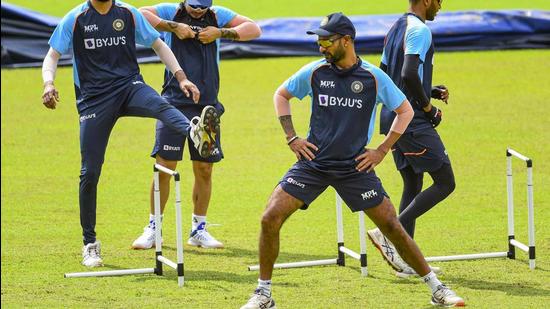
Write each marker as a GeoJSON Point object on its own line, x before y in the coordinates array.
{"type": "Point", "coordinates": [498, 99]}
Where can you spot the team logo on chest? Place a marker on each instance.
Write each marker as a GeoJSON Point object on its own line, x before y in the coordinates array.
{"type": "Point", "coordinates": [118, 24]}
{"type": "Point", "coordinates": [357, 86]}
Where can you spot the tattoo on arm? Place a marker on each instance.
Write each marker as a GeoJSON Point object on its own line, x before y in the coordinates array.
{"type": "Point", "coordinates": [286, 123]}
{"type": "Point", "coordinates": [172, 24]}
{"type": "Point", "coordinates": [230, 34]}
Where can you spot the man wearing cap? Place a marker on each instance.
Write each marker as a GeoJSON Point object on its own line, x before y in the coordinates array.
{"type": "Point", "coordinates": [344, 92]}
{"type": "Point", "coordinates": [408, 59]}
{"type": "Point", "coordinates": [192, 29]}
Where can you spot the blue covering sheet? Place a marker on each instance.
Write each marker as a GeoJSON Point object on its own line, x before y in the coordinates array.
{"type": "Point", "coordinates": [25, 34]}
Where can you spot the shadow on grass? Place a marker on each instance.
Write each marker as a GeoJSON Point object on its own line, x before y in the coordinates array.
{"type": "Point", "coordinates": [515, 289]}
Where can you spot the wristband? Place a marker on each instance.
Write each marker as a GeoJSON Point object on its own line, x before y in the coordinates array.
{"type": "Point", "coordinates": [292, 139]}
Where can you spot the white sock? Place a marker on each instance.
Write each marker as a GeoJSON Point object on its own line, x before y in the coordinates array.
{"type": "Point", "coordinates": [431, 280]}
{"type": "Point", "coordinates": [152, 220]}
{"type": "Point", "coordinates": [265, 287]}
{"type": "Point", "coordinates": [197, 220]}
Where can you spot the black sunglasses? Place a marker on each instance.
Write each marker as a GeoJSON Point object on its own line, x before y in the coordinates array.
{"type": "Point", "coordinates": [198, 7]}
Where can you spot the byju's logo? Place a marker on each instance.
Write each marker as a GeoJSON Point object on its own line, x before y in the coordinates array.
{"type": "Point", "coordinates": [326, 100]}
{"type": "Point", "coordinates": [294, 182]}
{"type": "Point", "coordinates": [369, 194]}
{"type": "Point", "coordinates": [89, 43]}
{"type": "Point", "coordinates": [104, 42]}
{"type": "Point", "coordinates": [171, 148]}
{"type": "Point", "coordinates": [86, 117]}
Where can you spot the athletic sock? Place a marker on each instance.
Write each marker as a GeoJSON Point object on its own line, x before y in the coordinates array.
{"type": "Point", "coordinates": [265, 287]}
{"type": "Point", "coordinates": [431, 280]}
{"type": "Point", "coordinates": [152, 221]}
{"type": "Point", "coordinates": [197, 220]}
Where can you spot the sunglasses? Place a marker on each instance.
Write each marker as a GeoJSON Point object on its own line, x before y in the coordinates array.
{"type": "Point", "coordinates": [325, 43]}
{"type": "Point", "coordinates": [198, 7]}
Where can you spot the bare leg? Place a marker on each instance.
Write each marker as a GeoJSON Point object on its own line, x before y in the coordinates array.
{"type": "Point", "coordinates": [385, 218]}
{"type": "Point", "coordinates": [164, 184]}
{"type": "Point", "coordinates": [279, 207]}
{"type": "Point", "coordinates": [202, 189]}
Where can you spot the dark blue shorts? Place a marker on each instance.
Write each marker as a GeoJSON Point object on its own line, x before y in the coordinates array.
{"type": "Point", "coordinates": [169, 144]}
{"type": "Point", "coordinates": [422, 150]}
{"type": "Point", "coordinates": [359, 190]}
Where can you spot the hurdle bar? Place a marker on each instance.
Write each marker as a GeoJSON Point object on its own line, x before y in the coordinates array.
{"type": "Point", "coordinates": [512, 242]}
{"type": "Point", "coordinates": [340, 260]}
{"type": "Point", "coordinates": [159, 258]}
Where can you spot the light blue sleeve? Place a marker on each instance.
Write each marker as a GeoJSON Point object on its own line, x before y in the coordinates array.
{"type": "Point", "coordinates": [166, 11]}
{"type": "Point", "coordinates": [145, 33]}
{"type": "Point", "coordinates": [384, 59]}
{"type": "Point", "coordinates": [418, 40]}
{"type": "Point", "coordinates": [387, 92]}
{"type": "Point", "coordinates": [223, 15]}
{"type": "Point", "coordinates": [62, 37]}
{"type": "Point", "coordinates": [299, 84]}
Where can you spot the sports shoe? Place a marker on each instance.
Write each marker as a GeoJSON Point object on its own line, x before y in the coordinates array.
{"type": "Point", "coordinates": [259, 301]}
{"type": "Point", "coordinates": [201, 238]}
{"type": "Point", "coordinates": [387, 249]}
{"type": "Point", "coordinates": [204, 129]}
{"type": "Point", "coordinates": [146, 240]}
{"type": "Point", "coordinates": [445, 297]}
{"type": "Point", "coordinates": [409, 272]}
{"type": "Point", "coordinates": [91, 255]}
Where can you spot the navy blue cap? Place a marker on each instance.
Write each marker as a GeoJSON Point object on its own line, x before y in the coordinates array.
{"type": "Point", "coordinates": [335, 23]}
{"type": "Point", "coordinates": [205, 3]}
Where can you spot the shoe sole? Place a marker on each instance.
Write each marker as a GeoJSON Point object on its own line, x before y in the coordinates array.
{"type": "Point", "coordinates": [382, 253]}
{"type": "Point", "coordinates": [210, 122]}
{"type": "Point", "coordinates": [100, 264]}
{"type": "Point", "coordinates": [460, 304]}
{"type": "Point", "coordinates": [191, 243]}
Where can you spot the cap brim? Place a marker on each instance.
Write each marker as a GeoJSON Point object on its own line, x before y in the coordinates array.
{"type": "Point", "coordinates": [320, 32]}
{"type": "Point", "coordinates": [207, 3]}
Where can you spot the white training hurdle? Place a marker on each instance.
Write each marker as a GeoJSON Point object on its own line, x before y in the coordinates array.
{"type": "Point", "coordinates": [512, 242]}
{"type": "Point", "coordinates": [159, 258]}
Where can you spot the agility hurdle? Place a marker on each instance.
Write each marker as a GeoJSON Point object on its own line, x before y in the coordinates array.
{"type": "Point", "coordinates": [512, 242]}
{"type": "Point", "coordinates": [340, 260]}
{"type": "Point", "coordinates": [159, 258]}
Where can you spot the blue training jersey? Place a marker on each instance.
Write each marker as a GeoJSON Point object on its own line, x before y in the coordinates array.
{"type": "Point", "coordinates": [408, 36]}
{"type": "Point", "coordinates": [103, 46]}
{"type": "Point", "coordinates": [199, 61]}
{"type": "Point", "coordinates": [343, 108]}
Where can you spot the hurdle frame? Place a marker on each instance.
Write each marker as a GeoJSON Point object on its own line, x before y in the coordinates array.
{"type": "Point", "coordinates": [159, 258]}
{"type": "Point", "coordinates": [340, 260]}
{"type": "Point", "coordinates": [512, 242]}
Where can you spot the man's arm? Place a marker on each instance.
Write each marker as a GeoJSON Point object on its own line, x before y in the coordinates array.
{"type": "Point", "coordinates": [240, 28]}
{"type": "Point", "coordinates": [168, 58]}
{"type": "Point", "coordinates": [300, 147]}
{"type": "Point", "coordinates": [181, 30]}
{"type": "Point", "coordinates": [372, 157]}
{"type": "Point", "coordinates": [50, 96]}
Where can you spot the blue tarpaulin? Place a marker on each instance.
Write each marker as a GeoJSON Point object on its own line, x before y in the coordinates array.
{"type": "Point", "coordinates": [25, 34]}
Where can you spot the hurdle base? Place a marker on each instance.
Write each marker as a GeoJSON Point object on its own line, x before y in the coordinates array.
{"type": "Point", "coordinates": [461, 257]}
{"type": "Point", "coordinates": [109, 273]}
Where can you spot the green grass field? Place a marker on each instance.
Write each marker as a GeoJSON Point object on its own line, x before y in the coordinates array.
{"type": "Point", "coordinates": [498, 99]}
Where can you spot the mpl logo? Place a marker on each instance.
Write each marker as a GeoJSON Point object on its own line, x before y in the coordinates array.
{"type": "Point", "coordinates": [86, 117]}
{"type": "Point", "coordinates": [328, 84]}
{"type": "Point", "coordinates": [369, 194]}
{"type": "Point", "coordinates": [294, 182]}
{"type": "Point", "coordinates": [91, 28]}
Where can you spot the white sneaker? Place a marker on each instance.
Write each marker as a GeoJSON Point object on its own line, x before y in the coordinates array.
{"type": "Point", "coordinates": [204, 130]}
{"type": "Point", "coordinates": [409, 272]}
{"type": "Point", "coordinates": [259, 301]}
{"type": "Point", "coordinates": [445, 297]}
{"type": "Point", "coordinates": [91, 255]}
{"type": "Point", "coordinates": [146, 240]}
{"type": "Point", "coordinates": [201, 238]}
{"type": "Point", "coordinates": [387, 249]}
